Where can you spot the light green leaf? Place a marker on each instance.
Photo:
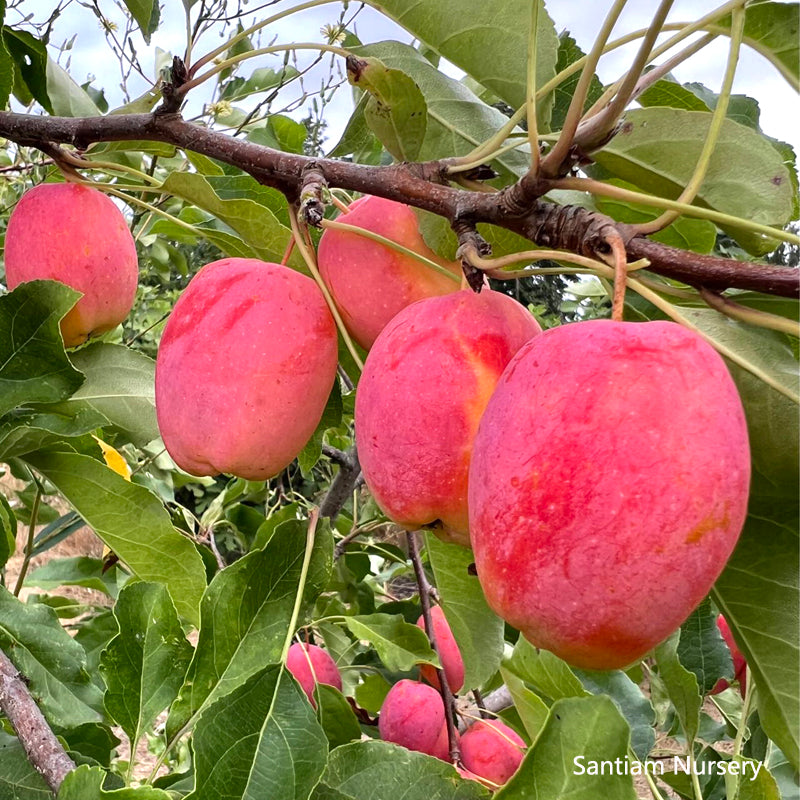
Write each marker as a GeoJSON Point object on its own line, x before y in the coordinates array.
{"type": "Point", "coordinates": [260, 741]}
{"type": "Point", "coordinates": [476, 628]}
{"type": "Point", "coordinates": [671, 94]}
{"type": "Point", "coordinates": [681, 685]}
{"type": "Point", "coordinates": [381, 771]}
{"type": "Point", "coordinates": [33, 365]}
{"type": "Point", "coordinates": [587, 728]}
{"type": "Point", "coordinates": [399, 644]}
{"type": "Point", "coordinates": [657, 149]}
{"type": "Point", "coordinates": [18, 779]}
{"type": "Point", "coordinates": [119, 385]}
{"type": "Point", "coordinates": [53, 663]}
{"type": "Point", "coordinates": [261, 80]}
{"type": "Point", "coordinates": [702, 650]}
{"type": "Point", "coordinates": [532, 710]}
{"type": "Point", "coordinates": [396, 110]}
{"type": "Point", "coordinates": [146, 13]}
{"type": "Point", "coordinates": [547, 673]}
{"type": "Point", "coordinates": [245, 614]}
{"type": "Point", "coordinates": [763, 787]}
{"type": "Point", "coordinates": [489, 41]}
{"type": "Point", "coordinates": [144, 664]}
{"type": "Point", "coordinates": [132, 521]}
{"type": "Point", "coordinates": [66, 97]}
{"type": "Point", "coordinates": [458, 120]}
{"type": "Point", "coordinates": [758, 594]}
{"type": "Point", "coordinates": [86, 783]}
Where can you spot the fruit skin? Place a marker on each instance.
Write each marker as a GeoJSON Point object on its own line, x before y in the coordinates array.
{"type": "Point", "coordinates": [491, 750]}
{"type": "Point", "coordinates": [424, 387]}
{"type": "Point", "coordinates": [371, 282]}
{"type": "Point", "coordinates": [244, 369]}
{"type": "Point", "coordinates": [612, 458]}
{"type": "Point", "coordinates": [412, 716]}
{"type": "Point", "coordinates": [448, 650]}
{"type": "Point", "coordinates": [311, 665]}
{"type": "Point", "coordinates": [739, 663]}
{"type": "Point", "coordinates": [76, 235]}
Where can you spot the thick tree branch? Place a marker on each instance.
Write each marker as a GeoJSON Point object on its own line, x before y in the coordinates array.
{"type": "Point", "coordinates": [41, 746]}
{"type": "Point", "coordinates": [421, 185]}
{"type": "Point", "coordinates": [342, 485]}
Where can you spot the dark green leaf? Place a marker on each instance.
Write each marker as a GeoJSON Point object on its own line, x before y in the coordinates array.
{"type": "Point", "coordinates": [569, 53]}
{"type": "Point", "coordinates": [681, 685]}
{"type": "Point", "coordinates": [8, 531]}
{"type": "Point", "coordinates": [132, 521]}
{"type": "Point", "coordinates": [33, 365]}
{"type": "Point", "coordinates": [336, 716]}
{"type": "Point", "coordinates": [18, 779]}
{"type": "Point", "coordinates": [74, 571]}
{"type": "Point", "coordinates": [702, 650]}
{"type": "Point", "coordinates": [146, 13]}
{"type": "Point", "coordinates": [331, 418]}
{"type": "Point", "coordinates": [7, 72]}
{"type": "Point", "coordinates": [86, 783]}
{"type": "Point", "coordinates": [144, 665]}
{"type": "Point", "coordinates": [91, 740]}
{"type": "Point", "coordinates": [30, 60]}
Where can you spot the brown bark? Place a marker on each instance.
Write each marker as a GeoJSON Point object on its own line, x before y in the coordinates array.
{"type": "Point", "coordinates": [423, 185]}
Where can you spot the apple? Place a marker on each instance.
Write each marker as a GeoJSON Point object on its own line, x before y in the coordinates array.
{"type": "Point", "coordinates": [739, 663]}
{"type": "Point", "coordinates": [492, 750]}
{"type": "Point", "coordinates": [412, 715]}
{"type": "Point", "coordinates": [613, 457]}
{"type": "Point", "coordinates": [76, 235]}
{"type": "Point", "coordinates": [244, 369]}
{"type": "Point", "coordinates": [370, 282]}
{"type": "Point", "coordinates": [311, 665]}
{"type": "Point", "coordinates": [449, 653]}
{"type": "Point", "coordinates": [424, 387]}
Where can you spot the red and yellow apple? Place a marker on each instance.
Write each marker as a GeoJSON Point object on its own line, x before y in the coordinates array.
{"type": "Point", "coordinates": [76, 235]}
{"type": "Point", "coordinates": [369, 281]}
{"type": "Point", "coordinates": [425, 385]}
{"type": "Point", "coordinates": [311, 665]}
{"type": "Point", "coordinates": [244, 369]}
{"type": "Point", "coordinates": [613, 457]}
{"type": "Point", "coordinates": [492, 751]}
{"type": "Point", "coordinates": [452, 663]}
{"type": "Point", "coordinates": [412, 715]}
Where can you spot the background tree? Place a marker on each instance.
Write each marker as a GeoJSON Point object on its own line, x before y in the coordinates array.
{"type": "Point", "coordinates": [646, 198]}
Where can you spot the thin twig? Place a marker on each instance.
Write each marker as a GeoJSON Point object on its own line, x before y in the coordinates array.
{"type": "Point", "coordinates": [448, 699]}
{"type": "Point", "coordinates": [26, 561]}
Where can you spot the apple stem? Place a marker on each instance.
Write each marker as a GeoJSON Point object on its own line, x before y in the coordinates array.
{"type": "Point", "coordinates": [425, 590]}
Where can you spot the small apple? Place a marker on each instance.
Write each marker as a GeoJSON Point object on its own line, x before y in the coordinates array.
{"type": "Point", "coordinates": [492, 750]}
{"type": "Point", "coordinates": [311, 665]}
{"type": "Point", "coordinates": [452, 662]}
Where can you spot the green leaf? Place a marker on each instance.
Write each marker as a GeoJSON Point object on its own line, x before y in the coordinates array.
{"type": "Point", "coordinates": [763, 787]}
{"type": "Point", "coordinates": [86, 783]}
{"type": "Point", "coordinates": [75, 571]}
{"type": "Point", "coordinates": [8, 531]}
{"type": "Point", "coordinates": [458, 120]}
{"type": "Point", "coordinates": [52, 662]}
{"type": "Point", "coordinates": [30, 60]}
{"type": "Point", "coordinates": [358, 140]}
{"type": "Point", "coordinates": [132, 521]}
{"type": "Point", "coordinates": [18, 779]}
{"type": "Point", "coordinates": [66, 97]}
{"type": "Point", "coordinates": [569, 53]}
{"type": "Point", "coordinates": [260, 741]}
{"type": "Point", "coordinates": [476, 628]}
{"type": "Point", "coordinates": [399, 644]}
{"type": "Point", "coordinates": [588, 728]}
{"type": "Point", "coordinates": [758, 594]}
{"type": "Point", "coordinates": [670, 93]}
{"type": "Point", "coordinates": [261, 80]}
{"type": "Point", "coordinates": [381, 771]}
{"type": "Point", "coordinates": [628, 698]}
{"type": "Point", "coordinates": [702, 650]}
{"type": "Point", "coordinates": [7, 71]}
{"type": "Point", "coordinates": [281, 133]}
{"type": "Point", "coordinates": [532, 710]}
{"type": "Point", "coordinates": [336, 716]}
{"type": "Point", "coordinates": [547, 673]}
{"type": "Point", "coordinates": [681, 685]}
{"type": "Point", "coordinates": [331, 418]}
{"type": "Point", "coordinates": [33, 365]}
{"type": "Point", "coordinates": [119, 385]}
{"type": "Point", "coordinates": [489, 41]}
{"type": "Point", "coordinates": [93, 635]}
{"type": "Point", "coordinates": [657, 149]}
{"type": "Point", "coordinates": [396, 110]}
{"type": "Point", "coordinates": [245, 615]}
{"type": "Point", "coordinates": [91, 740]}
{"type": "Point", "coordinates": [372, 691]}
{"type": "Point", "coordinates": [146, 14]}
{"type": "Point", "coordinates": [144, 665]}
{"type": "Point", "coordinates": [741, 108]}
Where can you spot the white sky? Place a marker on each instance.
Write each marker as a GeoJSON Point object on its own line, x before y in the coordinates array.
{"type": "Point", "coordinates": [780, 111]}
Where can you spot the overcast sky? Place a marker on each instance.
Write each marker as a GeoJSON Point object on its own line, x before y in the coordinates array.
{"type": "Point", "coordinates": [780, 112]}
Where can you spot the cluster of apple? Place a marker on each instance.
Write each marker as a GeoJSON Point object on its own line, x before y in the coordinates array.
{"type": "Point", "coordinates": [584, 465]}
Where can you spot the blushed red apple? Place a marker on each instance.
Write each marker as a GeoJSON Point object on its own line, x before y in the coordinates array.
{"type": "Point", "coordinates": [76, 235]}
{"type": "Point", "coordinates": [412, 715]}
{"type": "Point", "coordinates": [492, 750]}
{"type": "Point", "coordinates": [739, 663]}
{"type": "Point", "coordinates": [370, 282]}
{"type": "Point", "coordinates": [311, 665]}
{"type": "Point", "coordinates": [612, 458]}
{"type": "Point", "coordinates": [424, 387]}
{"type": "Point", "coordinates": [244, 369]}
{"type": "Point", "coordinates": [446, 644]}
